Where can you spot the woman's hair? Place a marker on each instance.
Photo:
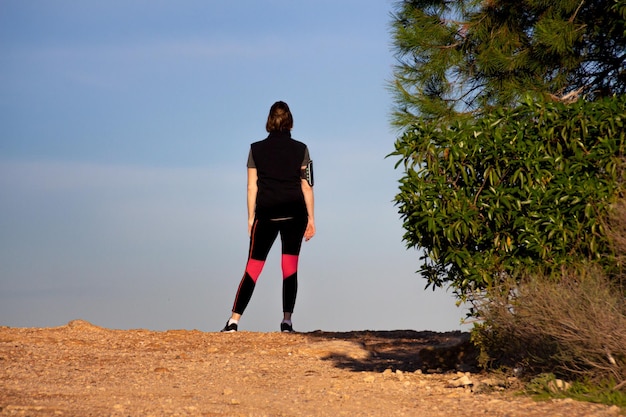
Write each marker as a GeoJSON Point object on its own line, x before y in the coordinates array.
{"type": "Point", "coordinates": [280, 118]}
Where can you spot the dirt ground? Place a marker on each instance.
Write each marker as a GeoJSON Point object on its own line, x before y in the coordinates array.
{"type": "Point", "coordinates": [84, 370]}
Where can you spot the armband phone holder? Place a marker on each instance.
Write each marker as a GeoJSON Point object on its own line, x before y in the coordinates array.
{"type": "Point", "coordinates": [308, 173]}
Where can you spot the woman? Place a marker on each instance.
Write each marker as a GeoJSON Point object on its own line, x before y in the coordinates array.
{"type": "Point", "coordinates": [280, 201]}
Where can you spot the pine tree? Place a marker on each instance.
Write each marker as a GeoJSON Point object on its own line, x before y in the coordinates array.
{"type": "Point", "coordinates": [467, 56]}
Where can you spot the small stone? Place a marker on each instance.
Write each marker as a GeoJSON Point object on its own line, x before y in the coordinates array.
{"type": "Point", "coordinates": [462, 381]}
{"type": "Point", "coordinates": [369, 378]}
{"type": "Point", "coordinates": [495, 382]}
{"type": "Point", "coordinates": [558, 385]}
{"type": "Point", "coordinates": [227, 391]}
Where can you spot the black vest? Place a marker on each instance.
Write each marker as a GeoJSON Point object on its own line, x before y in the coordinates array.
{"type": "Point", "coordinates": [278, 161]}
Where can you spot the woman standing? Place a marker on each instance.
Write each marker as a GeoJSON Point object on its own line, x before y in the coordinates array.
{"type": "Point", "coordinates": [280, 201]}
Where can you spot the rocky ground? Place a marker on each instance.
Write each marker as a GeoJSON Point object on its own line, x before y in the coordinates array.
{"type": "Point", "coordinates": [84, 370]}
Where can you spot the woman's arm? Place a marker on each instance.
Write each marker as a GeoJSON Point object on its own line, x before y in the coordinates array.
{"type": "Point", "coordinates": [309, 200]}
{"type": "Point", "coordinates": [253, 188]}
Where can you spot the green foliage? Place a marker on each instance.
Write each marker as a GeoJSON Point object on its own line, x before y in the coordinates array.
{"type": "Point", "coordinates": [601, 392]}
{"type": "Point", "coordinates": [514, 190]}
{"type": "Point", "coordinates": [494, 183]}
{"type": "Point", "coordinates": [469, 55]}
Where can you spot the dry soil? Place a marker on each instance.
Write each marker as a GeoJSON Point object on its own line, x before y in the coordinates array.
{"type": "Point", "coordinates": [84, 370]}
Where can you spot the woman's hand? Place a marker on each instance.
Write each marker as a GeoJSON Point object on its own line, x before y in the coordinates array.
{"type": "Point", "coordinates": [309, 232]}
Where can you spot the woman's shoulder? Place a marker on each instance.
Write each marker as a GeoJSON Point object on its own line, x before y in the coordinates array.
{"type": "Point", "coordinates": [299, 143]}
{"type": "Point", "coordinates": [255, 143]}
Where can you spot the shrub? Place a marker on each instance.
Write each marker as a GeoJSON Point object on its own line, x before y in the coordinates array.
{"type": "Point", "coordinates": [524, 189]}
{"type": "Point", "coordinates": [616, 233]}
{"type": "Point", "coordinates": [574, 326]}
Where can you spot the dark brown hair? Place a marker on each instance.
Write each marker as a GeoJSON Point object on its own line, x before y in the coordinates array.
{"type": "Point", "coordinates": [280, 118]}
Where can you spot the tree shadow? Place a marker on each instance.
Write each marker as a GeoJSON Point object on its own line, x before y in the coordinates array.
{"type": "Point", "coordinates": [403, 350]}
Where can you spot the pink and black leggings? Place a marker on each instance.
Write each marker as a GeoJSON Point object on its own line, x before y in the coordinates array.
{"type": "Point", "coordinates": [262, 237]}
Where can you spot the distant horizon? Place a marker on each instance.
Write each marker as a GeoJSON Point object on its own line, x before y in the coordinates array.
{"type": "Point", "coordinates": [85, 323]}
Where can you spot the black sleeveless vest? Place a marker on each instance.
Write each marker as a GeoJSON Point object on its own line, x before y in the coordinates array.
{"type": "Point", "coordinates": [278, 160]}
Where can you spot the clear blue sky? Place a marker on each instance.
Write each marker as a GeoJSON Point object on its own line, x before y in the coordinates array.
{"type": "Point", "coordinates": [124, 132]}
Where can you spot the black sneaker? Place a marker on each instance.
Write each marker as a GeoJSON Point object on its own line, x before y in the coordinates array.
{"type": "Point", "coordinates": [230, 328]}
{"type": "Point", "coordinates": [286, 328]}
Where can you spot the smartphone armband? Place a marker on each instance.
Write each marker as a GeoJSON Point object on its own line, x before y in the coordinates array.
{"type": "Point", "coordinates": [307, 173]}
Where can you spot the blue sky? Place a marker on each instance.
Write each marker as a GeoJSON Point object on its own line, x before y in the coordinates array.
{"type": "Point", "coordinates": [124, 132]}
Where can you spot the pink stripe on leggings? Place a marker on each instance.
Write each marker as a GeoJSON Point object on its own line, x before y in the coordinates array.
{"type": "Point", "coordinates": [289, 264]}
{"type": "Point", "coordinates": [254, 268]}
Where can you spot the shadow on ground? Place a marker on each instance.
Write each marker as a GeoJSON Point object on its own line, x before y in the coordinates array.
{"type": "Point", "coordinates": [404, 350]}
